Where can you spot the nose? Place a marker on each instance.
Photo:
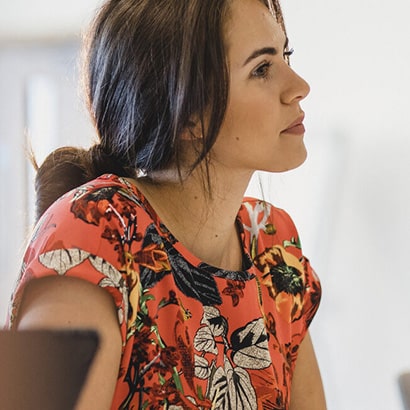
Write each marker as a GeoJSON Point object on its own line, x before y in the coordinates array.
{"type": "Point", "coordinates": [296, 88]}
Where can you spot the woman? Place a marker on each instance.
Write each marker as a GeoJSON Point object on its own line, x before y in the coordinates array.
{"type": "Point", "coordinates": [202, 299]}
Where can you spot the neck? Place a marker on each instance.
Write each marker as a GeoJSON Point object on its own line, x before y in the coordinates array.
{"type": "Point", "coordinates": [204, 222]}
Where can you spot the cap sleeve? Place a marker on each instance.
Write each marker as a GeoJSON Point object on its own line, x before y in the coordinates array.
{"type": "Point", "coordinates": [72, 239]}
{"type": "Point", "coordinates": [290, 288]}
{"type": "Point", "coordinates": [289, 237]}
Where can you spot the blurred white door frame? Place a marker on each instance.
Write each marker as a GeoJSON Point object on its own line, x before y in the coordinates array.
{"type": "Point", "coordinates": [40, 103]}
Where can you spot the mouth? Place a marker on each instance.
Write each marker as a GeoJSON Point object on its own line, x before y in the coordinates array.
{"type": "Point", "coordinates": [297, 127]}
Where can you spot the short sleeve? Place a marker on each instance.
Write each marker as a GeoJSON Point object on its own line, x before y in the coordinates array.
{"type": "Point", "coordinates": [290, 239]}
{"type": "Point", "coordinates": [290, 288]}
{"type": "Point", "coordinates": [72, 240]}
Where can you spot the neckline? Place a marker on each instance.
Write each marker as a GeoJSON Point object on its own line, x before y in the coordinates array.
{"type": "Point", "coordinates": [184, 252]}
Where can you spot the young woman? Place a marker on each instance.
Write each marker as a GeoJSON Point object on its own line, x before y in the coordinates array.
{"type": "Point", "coordinates": [202, 299]}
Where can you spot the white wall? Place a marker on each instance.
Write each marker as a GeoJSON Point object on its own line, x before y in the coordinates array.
{"type": "Point", "coordinates": [350, 200]}
{"type": "Point", "coordinates": [25, 19]}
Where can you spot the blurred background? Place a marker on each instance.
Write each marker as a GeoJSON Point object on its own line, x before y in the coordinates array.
{"type": "Point", "coordinates": [350, 200]}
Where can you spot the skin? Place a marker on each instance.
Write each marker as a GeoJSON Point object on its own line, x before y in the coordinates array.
{"type": "Point", "coordinates": [264, 96]}
{"type": "Point", "coordinates": [68, 303]}
{"type": "Point", "coordinates": [307, 390]}
{"type": "Point", "coordinates": [264, 99]}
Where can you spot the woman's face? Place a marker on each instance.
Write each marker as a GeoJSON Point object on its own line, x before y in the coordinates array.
{"type": "Point", "coordinates": [262, 129]}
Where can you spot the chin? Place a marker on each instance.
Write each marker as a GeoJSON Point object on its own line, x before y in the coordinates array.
{"type": "Point", "coordinates": [300, 159]}
{"type": "Point", "coordinates": [291, 163]}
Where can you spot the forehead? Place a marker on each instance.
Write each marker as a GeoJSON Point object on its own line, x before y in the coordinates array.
{"type": "Point", "coordinates": [250, 25]}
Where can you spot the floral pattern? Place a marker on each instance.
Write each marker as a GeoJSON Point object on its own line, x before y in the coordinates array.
{"type": "Point", "coordinates": [194, 336]}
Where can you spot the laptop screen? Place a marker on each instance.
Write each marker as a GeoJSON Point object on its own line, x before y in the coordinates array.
{"type": "Point", "coordinates": [44, 369]}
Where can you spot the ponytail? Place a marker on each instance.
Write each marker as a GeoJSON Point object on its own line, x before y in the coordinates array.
{"type": "Point", "coordinates": [69, 167]}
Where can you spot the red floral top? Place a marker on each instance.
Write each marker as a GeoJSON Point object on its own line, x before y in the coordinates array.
{"type": "Point", "coordinates": [194, 336]}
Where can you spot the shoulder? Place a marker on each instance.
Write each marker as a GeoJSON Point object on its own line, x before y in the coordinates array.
{"type": "Point", "coordinates": [87, 234]}
{"type": "Point", "coordinates": [266, 217]}
{"type": "Point", "coordinates": [95, 199]}
{"type": "Point", "coordinates": [284, 272]}
{"type": "Point", "coordinates": [258, 205]}
{"type": "Point", "coordinates": [101, 188]}
{"type": "Point", "coordinates": [95, 223]}
{"type": "Point", "coordinates": [84, 216]}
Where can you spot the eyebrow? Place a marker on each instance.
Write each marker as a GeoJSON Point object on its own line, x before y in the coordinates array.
{"type": "Point", "coordinates": [265, 50]}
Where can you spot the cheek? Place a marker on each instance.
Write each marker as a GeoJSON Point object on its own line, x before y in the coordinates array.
{"type": "Point", "coordinates": [250, 114]}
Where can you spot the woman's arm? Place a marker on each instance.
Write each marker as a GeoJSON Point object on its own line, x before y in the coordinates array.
{"type": "Point", "coordinates": [307, 389]}
{"type": "Point", "coordinates": [68, 303]}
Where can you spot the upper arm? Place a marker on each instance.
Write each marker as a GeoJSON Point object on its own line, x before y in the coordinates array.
{"type": "Point", "coordinates": [307, 389]}
{"type": "Point", "coordinates": [64, 303]}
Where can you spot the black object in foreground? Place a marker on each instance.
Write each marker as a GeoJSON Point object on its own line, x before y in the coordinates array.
{"type": "Point", "coordinates": [44, 369]}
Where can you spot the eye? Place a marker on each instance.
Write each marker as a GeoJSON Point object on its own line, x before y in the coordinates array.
{"type": "Point", "coordinates": [262, 71]}
{"type": "Point", "coordinates": [287, 54]}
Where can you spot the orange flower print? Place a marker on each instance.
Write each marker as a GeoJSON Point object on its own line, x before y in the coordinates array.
{"type": "Point", "coordinates": [153, 257]}
{"type": "Point", "coordinates": [283, 275]}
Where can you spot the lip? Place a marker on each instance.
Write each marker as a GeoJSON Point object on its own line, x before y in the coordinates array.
{"type": "Point", "coordinates": [296, 127]}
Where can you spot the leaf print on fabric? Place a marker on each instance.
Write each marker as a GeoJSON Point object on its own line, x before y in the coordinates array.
{"type": "Point", "coordinates": [241, 392]}
{"type": "Point", "coordinates": [191, 281]}
{"type": "Point", "coordinates": [202, 370]}
{"type": "Point", "coordinates": [113, 279]}
{"type": "Point", "coordinates": [217, 323]}
{"type": "Point", "coordinates": [218, 389]}
{"type": "Point", "coordinates": [204, 341]}
{"type": "Point", "coordinates": [113, 276]}
{"type": "Point", "coordinates": [295, 242]}
{"type": "Point", "coordinates": [231, 388]}
{"type": "Point", "coordinates": [189, 404]}
{"type": "Point", "coordinates": [250, 346]}
{"type": "Point", "coordinates": [62, 260]}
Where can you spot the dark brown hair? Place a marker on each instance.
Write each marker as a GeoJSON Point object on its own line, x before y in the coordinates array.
{"type": "Point", "coordinates": [151, 67]}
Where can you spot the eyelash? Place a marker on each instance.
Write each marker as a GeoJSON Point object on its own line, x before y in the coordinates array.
{"type": "Point", "coordinates": [262, 71]}
{"type": "Point", "coordinates": [287, 54]}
